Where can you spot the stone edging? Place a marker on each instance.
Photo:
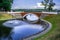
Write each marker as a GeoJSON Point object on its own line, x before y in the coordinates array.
{"type": "Point", "coordinates": [47, 24]}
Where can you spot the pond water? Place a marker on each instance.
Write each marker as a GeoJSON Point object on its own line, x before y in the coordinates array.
{"type": "Point", "coordinates": [25, 30]}
{"type": "Point", "coordinates": [22, 29]}
{"type": "Point", "coordinates": [31, 17]}
{"type": "Point", "coordinates": [13, 23]}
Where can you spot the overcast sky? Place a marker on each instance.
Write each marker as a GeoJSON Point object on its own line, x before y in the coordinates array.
{"type": "Point", "coordinates": [21, 4]}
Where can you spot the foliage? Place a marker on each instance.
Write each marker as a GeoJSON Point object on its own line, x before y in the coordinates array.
{"type": "Point", "coordinates": [5, 16]}
{"type": "Point", "coordinates": [45, 3]}
{"type": "Point", "coordinates": [49, 4]}
{"type": "Point", "coordinates": [54, 34]}
{"type": "Point", "coordinates": [4, 31]}
{"type": "Point", "coordinates": [5, 5]}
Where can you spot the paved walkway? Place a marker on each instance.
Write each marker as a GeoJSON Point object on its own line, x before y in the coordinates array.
{"type": "Point", "coordinates": [49, 26]}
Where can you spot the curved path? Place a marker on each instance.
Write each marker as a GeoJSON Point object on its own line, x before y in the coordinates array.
{"type": "Point", "coordinates": [46, 24]}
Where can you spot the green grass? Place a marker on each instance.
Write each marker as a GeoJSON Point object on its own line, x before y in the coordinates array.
{"type": "Point", "coordinates": [3, 29]}
{"type": "Point", "coordinates": [52, 34]}
{"type": "Point", "coordinates": [5, 16]}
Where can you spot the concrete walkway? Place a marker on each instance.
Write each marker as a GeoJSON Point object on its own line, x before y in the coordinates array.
{"type": "Point", "coordinates": [47, 24]}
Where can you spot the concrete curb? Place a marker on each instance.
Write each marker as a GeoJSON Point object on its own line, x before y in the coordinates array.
{"type": "Point", "coordinates": [47, 24]}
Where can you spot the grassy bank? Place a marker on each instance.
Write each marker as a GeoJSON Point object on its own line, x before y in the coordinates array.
{"type": "Point", "coordinates": [4, 30]}
{"type": "Point", "coordinates": [5, 16]}
{"type": "Point", "coordinates": [54, 33]}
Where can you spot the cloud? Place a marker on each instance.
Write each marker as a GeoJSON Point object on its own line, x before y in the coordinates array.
{"type": "Point", "coordinates": [37, 6]}
{"type": "Point", "coordinates": [40, 5]}
{"type": "Point", "coordinates": [16, 7]}
{"type": "Point", "coordinates": [56, 7]}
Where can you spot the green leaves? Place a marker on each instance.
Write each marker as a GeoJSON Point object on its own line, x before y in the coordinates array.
{"type": "Point", "coordinates": [6, 4]}
{"type": "Point", "coordinates": [49, 4]}
{"type": "Point", "coordinates": [45, 3]}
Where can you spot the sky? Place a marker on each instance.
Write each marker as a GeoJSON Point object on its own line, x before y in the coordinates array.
{"type": "Point", "coordinates": [32, 4]}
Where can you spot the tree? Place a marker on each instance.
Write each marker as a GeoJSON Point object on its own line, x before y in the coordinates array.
{"type": "Point", "coordinates": [45, 3]}
{"type": "Point", "coordinates": [5, 5]}
{"type": "Point", "coordinates": [49, 4]}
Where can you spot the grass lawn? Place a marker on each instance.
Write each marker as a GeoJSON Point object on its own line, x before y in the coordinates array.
{"type": "Point", "coordinates": [54, 33]}
{"type": "Point", "coordinates": [3, 18]}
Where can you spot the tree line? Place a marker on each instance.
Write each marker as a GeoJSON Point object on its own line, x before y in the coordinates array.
{"type": "Point", "coordinates": [5, 5]}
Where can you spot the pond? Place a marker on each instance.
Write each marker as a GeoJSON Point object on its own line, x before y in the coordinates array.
{"type": "Point", "coordinates": [22, 29]}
